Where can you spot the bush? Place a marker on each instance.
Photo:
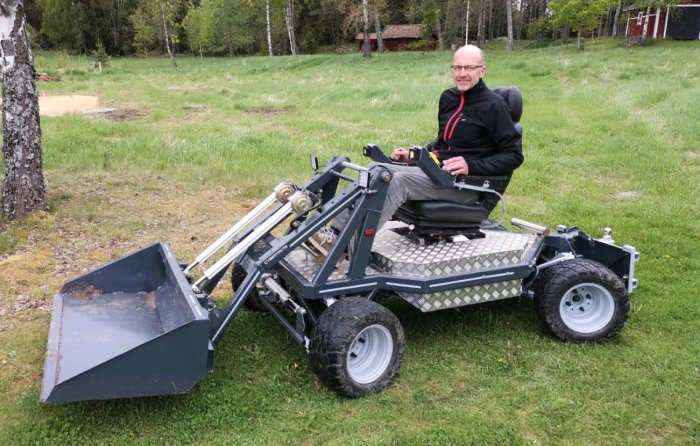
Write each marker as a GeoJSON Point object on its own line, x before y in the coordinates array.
{"type": "Point", "coordinates": [101, 56]}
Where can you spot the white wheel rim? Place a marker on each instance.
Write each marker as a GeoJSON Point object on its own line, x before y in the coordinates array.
{"type": "Point", "coordinates": [370, 354]}
{"type": "Point", "coordinates": [587, 307]}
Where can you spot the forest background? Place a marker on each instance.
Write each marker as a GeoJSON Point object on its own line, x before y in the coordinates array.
{"type": "Point", "coordinates": [279, 27]}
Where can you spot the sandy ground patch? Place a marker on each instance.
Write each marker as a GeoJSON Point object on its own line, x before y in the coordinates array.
{"type": "Point", "coordinates": [59, 105]}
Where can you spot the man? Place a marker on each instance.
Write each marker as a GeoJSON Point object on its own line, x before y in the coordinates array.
{"type": "Point", "coordinates": [476, 136]}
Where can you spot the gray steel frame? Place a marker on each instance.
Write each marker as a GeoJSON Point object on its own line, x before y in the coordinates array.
{"type": "Point", "coordinates": [365, 203]}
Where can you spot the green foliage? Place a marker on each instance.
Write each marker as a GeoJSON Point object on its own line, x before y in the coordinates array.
{"type": "Point", "coordinates": [145, 26]}
{"type": "Point", "coordinates": [609, 140]}
{"type": "Point", "coordinates": [101, 56]}
{"type": "Point", "coordinates": [539, 28]}
{"type": "Point", "coordinates": [7, 243]}
{"type": "Point", "coordinates": [581, 15]}
{"type": "Point", "coordinates": [62, 59]}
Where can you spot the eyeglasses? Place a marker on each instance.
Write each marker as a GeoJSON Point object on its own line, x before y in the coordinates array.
{"type": "Point", "coordinates": [457, 68]}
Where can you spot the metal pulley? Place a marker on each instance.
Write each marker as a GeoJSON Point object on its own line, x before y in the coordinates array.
{"type": "Point", "coordinates": [301, 202]}
{"type": "Point", "coordinates": [284, 191]}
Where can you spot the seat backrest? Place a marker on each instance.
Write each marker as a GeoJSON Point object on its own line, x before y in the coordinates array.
{"type": "Point", "coordinates": [514, 101]}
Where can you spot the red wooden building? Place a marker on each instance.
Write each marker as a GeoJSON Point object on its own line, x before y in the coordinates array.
{"type": "Point", "coordinates": [397, 37]}
{"type": "Point", "coordinates": [680, 22]}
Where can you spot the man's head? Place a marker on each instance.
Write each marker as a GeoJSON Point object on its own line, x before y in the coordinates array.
{"type": "Point", "coordinates": [468, 67]}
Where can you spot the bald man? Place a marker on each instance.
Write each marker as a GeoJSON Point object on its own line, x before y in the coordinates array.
{"type": "Point", "coordinates": [476, 136]}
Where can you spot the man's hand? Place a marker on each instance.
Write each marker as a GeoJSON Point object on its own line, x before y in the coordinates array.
{"type": "Point", "coordinates": [401, 155]}
{"type": "Point", "coordinates": [456, 166]}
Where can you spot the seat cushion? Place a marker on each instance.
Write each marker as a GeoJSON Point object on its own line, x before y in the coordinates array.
{"type": "Point", "coordinates": [444, 214]}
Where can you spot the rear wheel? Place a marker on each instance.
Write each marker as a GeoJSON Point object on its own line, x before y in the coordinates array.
{"type": "Point", "coordinates": [580, 300]}
{"type": "Point", "coordinates": [357, 347]}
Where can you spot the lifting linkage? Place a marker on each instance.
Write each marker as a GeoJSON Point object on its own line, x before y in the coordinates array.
{"type": "Point", "coordinates": [364, 195]}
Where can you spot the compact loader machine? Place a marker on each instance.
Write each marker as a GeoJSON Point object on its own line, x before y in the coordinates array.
{"type": "Point", "coordinates": [145, 325]}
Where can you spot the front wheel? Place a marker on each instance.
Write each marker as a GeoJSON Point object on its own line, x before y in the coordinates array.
{"type": "Point", "coordinates": [582, 301]}
{"type": "Point", "coordinates": [357, 347]}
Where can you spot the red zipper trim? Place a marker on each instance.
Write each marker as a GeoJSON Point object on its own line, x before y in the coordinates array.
{"type": "Point", "coordinates": [449, 131]}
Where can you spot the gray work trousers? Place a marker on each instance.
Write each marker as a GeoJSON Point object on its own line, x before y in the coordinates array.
{"type": "Point", "coordinates": [410, 183]}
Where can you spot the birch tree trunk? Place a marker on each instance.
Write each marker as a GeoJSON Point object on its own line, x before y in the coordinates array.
{"type": "Point", "coordinates": [645, 29]}
{"type": "Point", "coordinates": [579, 40]}
{"type": "Point", "coordinates": [438, 30]}
{"type": "Point", "coordinates": [522, 20]}
{"type": "Point", "coordinates": [268, 27]}
{"type": "Point", "coordinates": [617, 18]}
{"type": "Point", "coordinates": [490, 36]}
{"type": "Point", "coordinates": [166, 33]}
{"type": "Point", "coordinates": [289, 21]}
{"type": "Point", "coordinates": [466, 26]}
{"type": "Point", "coordinates": [378, 30]}
{"type": "Point", "coordinates": [480, 27]}
{"type": "Point", "coordinates": [23, 189]}
{"type": "Point", "coordinates": [509, 19]}
{"type": "Point", "coordinates": [116, 13]}
{"type": "Point", "coordinates": [366, 44]}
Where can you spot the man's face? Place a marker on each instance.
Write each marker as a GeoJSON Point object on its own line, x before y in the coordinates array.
{"type": "Point", "coordinates": [467, 69]}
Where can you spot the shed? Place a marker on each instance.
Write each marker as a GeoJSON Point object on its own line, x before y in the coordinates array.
{"type": "Point", "coordinates": [680, 22]}
{"type": "Point", "coordinates": [397, 37]}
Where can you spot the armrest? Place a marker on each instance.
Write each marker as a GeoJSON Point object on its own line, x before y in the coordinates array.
{"type": "Point", "coordinates": [375, 153]}
{"type": "Point", "coordinates": [429, 166]}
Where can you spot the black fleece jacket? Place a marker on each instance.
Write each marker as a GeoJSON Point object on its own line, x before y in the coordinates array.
{"type": "Point", "coordinates": [476, 124]}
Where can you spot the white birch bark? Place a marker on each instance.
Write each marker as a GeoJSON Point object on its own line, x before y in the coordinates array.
{"type": "Point", "coordinates": [267, 23]}
{"type": "Point", "coordinates": [289, 21]}
{"type": "Point", "coordinates": [509, 19]}
{"type": "Point", "coordinates": [378, 30]}
{"type": "Point", "coordinates": [366, 45]}
{"type": "Point", "coordinates": [166, 32]}
{"type": "Point", "coordinates": [466, 26]}
{"type": "Point", "coordinates": [23, 188]}
{"type": "Point", "coordinates": [617, 18]}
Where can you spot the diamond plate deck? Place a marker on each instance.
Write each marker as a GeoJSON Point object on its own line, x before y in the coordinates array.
{"type": "Point", "coordinates": [400, 256]}
{"type": "Point", "coordinates": [397, 255]}
{"type": "Point", "coordinates": [307, 266]}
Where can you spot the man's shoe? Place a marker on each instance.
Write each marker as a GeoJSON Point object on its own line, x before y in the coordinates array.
{"type": "Point", "coordinates": [323, 241]}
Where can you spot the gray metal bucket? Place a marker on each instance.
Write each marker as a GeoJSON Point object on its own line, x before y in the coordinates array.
{"type": "Point", "coordinates": [128, 329]}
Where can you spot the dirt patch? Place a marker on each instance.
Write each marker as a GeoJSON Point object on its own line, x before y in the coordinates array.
{"type": "Point", "coordinates": [626, 194]}
{"type": "Point", "coordinates": [195, 107]}
{"type": "Point", "coordinates": [123, 115]}
{"type": "Point", "coordinates": [266, 111]}
{"type": "Point", "coordinates": [151, 300]}
{"type": "Point", "coordinates": [25, 303]}
{"type": "Point", "coordinates": [565, 81]}
{"type": "Point", "coordinates": [86, 292]}
{"type": "Point", "coordinates": [43, 77]}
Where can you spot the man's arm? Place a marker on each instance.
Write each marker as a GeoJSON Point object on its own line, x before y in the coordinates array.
{"type": "Point", "coordinates": [508, 143]}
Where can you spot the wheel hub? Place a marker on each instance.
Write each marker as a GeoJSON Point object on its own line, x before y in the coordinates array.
{"type": "Point", "coordinates": [587, 307]}
{"type": "Point", "coordinates": [369, 354]}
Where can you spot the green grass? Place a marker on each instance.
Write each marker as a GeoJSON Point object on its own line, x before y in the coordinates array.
{"type": "Point", "coordinates": [610, 139]}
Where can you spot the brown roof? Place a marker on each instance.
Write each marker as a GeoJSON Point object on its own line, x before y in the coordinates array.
{"type": "Point", "coordinates": [396, 32]}
{"type": "Point", "coordinates": [372, 36]}
{"type": "Point", "coordinates": [401, 31]}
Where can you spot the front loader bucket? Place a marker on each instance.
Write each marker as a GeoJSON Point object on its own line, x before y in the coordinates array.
{"type": "Point", "coordinates": [130, 328]}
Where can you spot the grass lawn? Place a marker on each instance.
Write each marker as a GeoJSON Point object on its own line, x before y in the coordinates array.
{"type": "Point", "coordinates": [610, 139]}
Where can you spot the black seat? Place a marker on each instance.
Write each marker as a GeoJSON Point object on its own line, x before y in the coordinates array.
{"type": "Point", "coordinates": [441, 218]}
